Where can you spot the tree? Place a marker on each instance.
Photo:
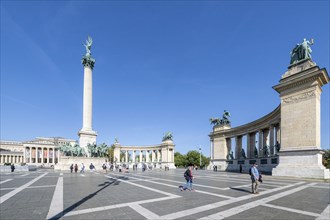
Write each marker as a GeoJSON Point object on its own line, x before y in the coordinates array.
{"type": "Point", "coordinates": [110, 153]}
{"type": "Point", "coordinates": [180, 160]}
{"type": "Point", "coordinates": [326, 159]}
{"type": "Point", "coordinates": [193, 158]}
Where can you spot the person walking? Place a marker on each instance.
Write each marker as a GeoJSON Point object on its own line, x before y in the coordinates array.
{"type": "Point", "coordinates": [82, 168]}
{"type": "Point", "coordinates": [92, 167]}
{"type": "Point", "coordinates": [255, 178]}
{"type": "Point", "coordinates": [12, 167]}
{"type": "Point", "coordinates": [189, 179]}
{"type": "Point", "coordinates": [75, 168]}
{"type": "Point", "coordinates": [71, 168]}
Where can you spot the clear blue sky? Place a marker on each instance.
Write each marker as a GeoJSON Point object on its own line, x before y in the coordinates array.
{"type": "Point", "coordinates": [160, 66]}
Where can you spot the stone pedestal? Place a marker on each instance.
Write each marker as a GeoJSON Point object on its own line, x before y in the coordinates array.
{"type": "Point", "coordinates": [85, 138]}
{"type": "Point", "coordinates": [168, 154]}
{"type": "Point", "coordinates": [221, 147]}
{"type": "Point", "coordinates": [300, 93]}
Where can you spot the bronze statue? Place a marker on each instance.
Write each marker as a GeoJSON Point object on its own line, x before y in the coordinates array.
{"type": "Point", "coordinates": [168, 136]}
{"type": "Point", "coordinates": [301, 51]}
{"type": "Point", "coordinates": [225, 119]}
{"type": "Point", "coordinates": [88, 46]}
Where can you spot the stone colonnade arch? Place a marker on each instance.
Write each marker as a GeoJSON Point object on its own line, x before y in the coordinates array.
{"type": "Point", "coordinates": [262, 144]}
{"type": "Point", "coordinates": [158, 156]}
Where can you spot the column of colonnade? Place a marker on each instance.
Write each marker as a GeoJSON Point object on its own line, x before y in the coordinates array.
{"type": "Point", "coordinates": [269, 136]}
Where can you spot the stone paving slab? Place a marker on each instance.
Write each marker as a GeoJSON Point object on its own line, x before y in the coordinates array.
{"type": "Point", "coordinates": [269, 213]}
{"type": "Point", "coordinates": [155, 195]}
{"type": "Point", "coordinates": [302, 200]}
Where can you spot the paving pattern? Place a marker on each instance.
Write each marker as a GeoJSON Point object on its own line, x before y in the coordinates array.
{"type": "Point", "coordinates": [46, 194]}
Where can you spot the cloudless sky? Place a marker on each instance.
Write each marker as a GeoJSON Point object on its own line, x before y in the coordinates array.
{"type": "Point", "coordinates": [160, 66]}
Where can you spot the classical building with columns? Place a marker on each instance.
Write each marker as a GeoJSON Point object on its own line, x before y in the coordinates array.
{"type": "Point", "coordinates": [40, 151]}
{"type": "Point", "coordinates": [287, 141]}
{"type": "Point", "coordinates": [261, 144]}
{"type": "Point", "coordinates": [158, 156]}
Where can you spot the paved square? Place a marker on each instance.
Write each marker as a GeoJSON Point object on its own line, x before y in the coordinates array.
{"type": "Point", "coordinates": [46, 194]}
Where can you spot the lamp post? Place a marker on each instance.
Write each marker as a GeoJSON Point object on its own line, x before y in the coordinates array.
{"type": "Point", "coordinates": [200, 157]}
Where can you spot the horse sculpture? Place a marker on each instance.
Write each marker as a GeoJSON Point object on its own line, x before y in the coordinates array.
{"type": "Point", "coordinates": [168, 136]}
{"type": "Point", "coordinates": [225, 119]}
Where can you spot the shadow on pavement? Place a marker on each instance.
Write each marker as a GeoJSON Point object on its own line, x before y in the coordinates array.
{"type": "Point", "coordinates": [241, 190]}
{"type": "Point", "coordinates": [83, 200]}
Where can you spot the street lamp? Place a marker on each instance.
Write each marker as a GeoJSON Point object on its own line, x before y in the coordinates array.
{"type": "Point", "coordinates": [200, 157]}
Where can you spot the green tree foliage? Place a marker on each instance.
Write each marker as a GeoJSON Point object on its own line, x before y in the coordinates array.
{"type": "Point", "coordinates": [110, 154]}
{"type": "Point", "coordinates": [192, 158]}
{"type": "Point", "coordinates": [326, 159]}
{"type": "Point", "coordinates": [179, 160]}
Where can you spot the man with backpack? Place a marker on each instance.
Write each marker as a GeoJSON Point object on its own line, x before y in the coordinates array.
{"type": "Point", "coordinates": [254, 173]}
{"type": "Point", "coordinates": [189, 179]}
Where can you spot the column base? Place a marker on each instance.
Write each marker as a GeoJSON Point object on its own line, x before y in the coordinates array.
{"type": "Point", "coordinates": [220, 163]}
{"type": "Point", "coordinates": [302, 163]}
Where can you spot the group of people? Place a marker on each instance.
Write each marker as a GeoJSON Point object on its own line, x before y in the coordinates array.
{"type": "Point", "coordinates": [75, 168]}
{"type": "Point", "coordinates": [256, 178]}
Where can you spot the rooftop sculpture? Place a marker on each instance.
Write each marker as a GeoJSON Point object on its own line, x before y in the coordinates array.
{"type": "Point", "coordinates": [301, 51]}
{"type": "Point", "coordinates": [224, 121]}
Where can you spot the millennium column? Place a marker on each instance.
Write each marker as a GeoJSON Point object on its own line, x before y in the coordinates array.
{"type": "Point", "coordinates": [86, 134]}
{"type": "Point", "coordinates": [300, 92]}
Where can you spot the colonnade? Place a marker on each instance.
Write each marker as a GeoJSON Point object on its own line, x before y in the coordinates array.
{"type": "Point", "coordinates": [10, 158]}
{"type": "Point", "coordinates": [147, 156]}
{"type": "Point", "coordinates": [261, 143]}
{"type": "Point", "coordinates": [157, 154]}
{"type": "Point", "coordinates": [258, 141]}
{"type": "Point", "coordinates": [41, 155]}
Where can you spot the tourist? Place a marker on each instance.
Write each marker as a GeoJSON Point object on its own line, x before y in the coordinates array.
{"type": "Point", "coordinates": [255, 178]}
{"type": "Point", "coordinates": [104, 168]}
{"type": "Point", "coordinates": [71, 168]}
{"type": "Point", "coordinates": [12, 167]}
{"type": "Point", "coordinates": [75, 168]}
{"type": "Point", "coordinates": [82, 168]}
{"type": "Point", "coordinates": [189, 179]}
{"type": "Point", "coordinates": [92, 167]}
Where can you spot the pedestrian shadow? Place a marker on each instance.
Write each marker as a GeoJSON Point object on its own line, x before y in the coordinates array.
{"type": "Point", "coordinates": [83, 200]}
{"type": "Point", "coordinates": [240, 189]}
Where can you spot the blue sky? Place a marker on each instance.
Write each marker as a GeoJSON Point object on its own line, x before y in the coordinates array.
{"type": "Point", "coordinates": [160, 66]}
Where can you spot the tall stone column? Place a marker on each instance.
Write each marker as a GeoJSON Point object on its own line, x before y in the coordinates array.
{"type": "Point", "coordinates": [42, 155]}
{"type": "Point", "coordinates": [300, 92]}
{"type": "Point", "coordinates": [271, 139]}
{"type": "Point", "coordinates": [48, 151]}
{"type": "Point", "coordinates": [141, 152]}
{"type": "Point", "coordinates": [238, 149]}
{"type": "Point", "coordinates": [86, 134]}
{"type": "Point", "coordinates": [153, 156]}
{"type": "Point", "coordinates": [30, 155]}
{"type": "Point", "coordinates": [133, 155]}
{"type": "Point", "coordinates": [126, 156]}
{"type": "Point", "coordinates": [260, 143]}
